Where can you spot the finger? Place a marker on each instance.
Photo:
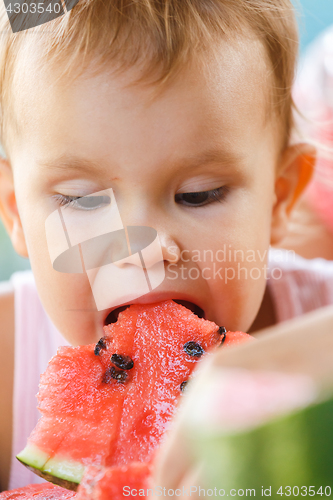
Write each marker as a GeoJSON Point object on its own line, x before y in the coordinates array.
{"type": "Point", "coordinates": [173, 460]}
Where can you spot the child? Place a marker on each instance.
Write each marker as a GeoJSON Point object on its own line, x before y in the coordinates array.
{"type": "Point", "coordinates": [184, 109]}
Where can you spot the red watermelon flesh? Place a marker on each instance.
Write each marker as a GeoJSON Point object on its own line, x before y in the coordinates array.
{"type": "Point", "coordinates": [235, 338]}
{"type": "Point", "coordinates": [116, 483]}
{"type": "Point", "coordinates": [46, 491]}
{"type": "Point", "coordinates": [97, 412]}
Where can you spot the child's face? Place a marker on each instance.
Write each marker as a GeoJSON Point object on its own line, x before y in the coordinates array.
{"type": "Point", "coordinates": [206, 130]}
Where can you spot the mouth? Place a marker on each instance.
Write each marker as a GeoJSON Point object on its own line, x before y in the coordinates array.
{"type": "Point", "coordinates": [112, 317]}
{"type": "Point", "coordinates": [192, 307]}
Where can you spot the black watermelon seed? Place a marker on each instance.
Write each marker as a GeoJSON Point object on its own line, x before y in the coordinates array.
{"type": "Point", "coordinates": [114, 374]}
{"type": "Point", "coordinates": [223, 333]}
{"type": "Point", "coordinates": [193, 349]}
{"type": "Point", "coordinates": [223, 339]}
{"type": "Point", "coordinates": [123, 362]}
{"type": "Point", "coordinates": [183, 385]}
{"type": "Point", "coordinates": [99, 346]}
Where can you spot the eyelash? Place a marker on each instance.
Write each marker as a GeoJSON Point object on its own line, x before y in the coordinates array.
{"type": "Point", "coordinates": [63, 200]}
{"type": "Point", "coordinates": [214, 195]}
{"type": "Point", "coordinates": [71, 201]}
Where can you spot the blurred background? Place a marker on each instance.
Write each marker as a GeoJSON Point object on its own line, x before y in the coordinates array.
{"type": "Point", "coordinates": [313, 15]}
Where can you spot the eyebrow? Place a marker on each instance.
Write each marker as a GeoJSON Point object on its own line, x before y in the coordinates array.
{"type": "Point", "coordinates": [210, 156]}
{"type": "Point", "coordinates": [214, 156]}
{"type": "Point", "coordinates": [71, 163]}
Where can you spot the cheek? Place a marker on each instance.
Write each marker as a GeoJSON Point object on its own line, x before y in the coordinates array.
{"type": "Point", "coordinates": [67, 298]}
{"type": "Point", "coordinates": [237, 288]}
{"type": "Point", "coordinates": [231, 253]}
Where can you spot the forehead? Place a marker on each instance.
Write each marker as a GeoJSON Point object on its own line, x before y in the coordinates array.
{"type": "Point", "coordinates": [225, 89]}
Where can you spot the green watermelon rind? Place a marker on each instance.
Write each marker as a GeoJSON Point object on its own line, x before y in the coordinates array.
{"type": "Point", "coordinates": [62, 472]}
{"type": "Point", "coordinates": [33, 456]}
{"type": "Point", "coordinates": [65, 469]}
{"type": "Point", "coordinates": [296, 449]}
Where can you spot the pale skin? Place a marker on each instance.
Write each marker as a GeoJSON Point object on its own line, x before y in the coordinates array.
{"type": "Point", "coordinates": [206, 130]}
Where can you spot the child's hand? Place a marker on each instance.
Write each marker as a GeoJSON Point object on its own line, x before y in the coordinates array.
{"type": "Point", "coordinates": [179, 464]}
{"type": "Point", "coordinates": [176, 470]}
{"type": "Point", "coordinates": [176, 465]}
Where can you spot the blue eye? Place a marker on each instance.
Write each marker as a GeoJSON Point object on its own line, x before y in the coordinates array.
{"type": "Point", "coordinates": [201, 198]}
{"type": "Point", "coordinates": [84, 202]}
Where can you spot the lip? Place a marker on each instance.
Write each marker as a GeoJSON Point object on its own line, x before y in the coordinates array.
{"type": "Point", "coordinates": [153, 298]}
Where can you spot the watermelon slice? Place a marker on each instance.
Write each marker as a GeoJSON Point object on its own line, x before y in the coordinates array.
{"type": "Point", "coordinates": [109, 404]}
{"type": "Point", "coordinates": [46, 491]}
{"type": "Point", "coordinates": [290, 451]}
{"type": "Point", "coordinates": [261, 430]}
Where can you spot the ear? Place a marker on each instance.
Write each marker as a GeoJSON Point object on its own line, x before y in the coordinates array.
{"type": "Point", "coordinates": [294, 172]}
{"type": "Point", "coordinates": [8, 209]}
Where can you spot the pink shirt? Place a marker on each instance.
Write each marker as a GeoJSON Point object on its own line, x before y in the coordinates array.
{"type": "Point", "coordinates": [36, 341]}
{"type": "Point", "coordinates": [300, 286]}
{"type": "Point", "coordinates": [304, 284]}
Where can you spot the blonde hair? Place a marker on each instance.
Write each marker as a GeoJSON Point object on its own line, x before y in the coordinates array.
{"type": "Point", "coordinates": [160, 34]}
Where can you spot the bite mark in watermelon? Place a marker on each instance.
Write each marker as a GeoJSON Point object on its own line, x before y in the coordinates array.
{"type": "Point", "coordinates": [109, 404]}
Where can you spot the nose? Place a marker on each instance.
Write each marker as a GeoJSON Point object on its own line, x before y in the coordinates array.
{"type": "Point", "coordinates": [156, 245]}
{"type": "Point", "coordinates": [140, 272]}
{"type": "Point", "coordinates": [170, 248]}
